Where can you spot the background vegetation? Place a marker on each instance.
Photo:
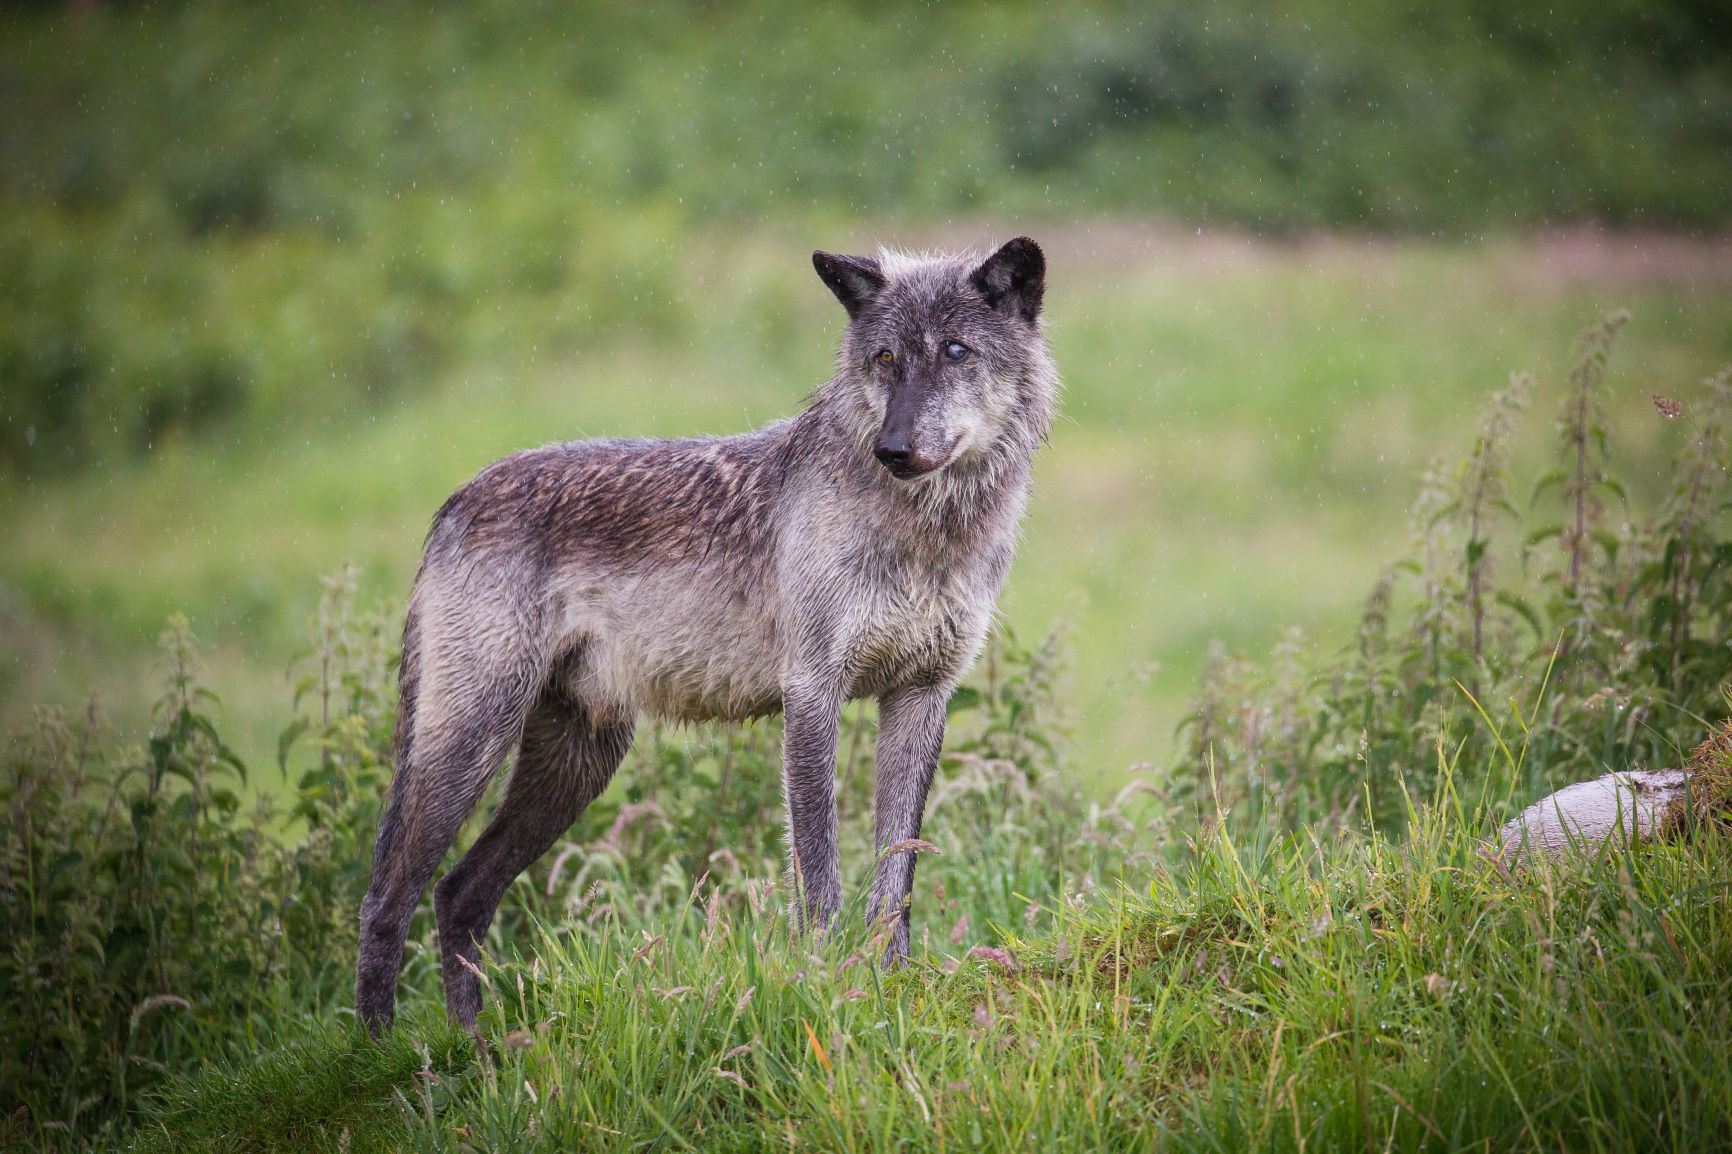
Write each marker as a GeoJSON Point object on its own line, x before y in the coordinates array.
{"type": "Point", "coordinates": [274, 281]}
{"type": "Point", "coordinates": [272, 284]}
{"type": "Point", "coordinates": [1316, 862]}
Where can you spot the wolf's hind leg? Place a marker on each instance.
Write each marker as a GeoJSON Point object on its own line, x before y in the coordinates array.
{"type": "Point", "coordinates": [564, 763]}
{"type": "Point", "coordinates": [447, 772]}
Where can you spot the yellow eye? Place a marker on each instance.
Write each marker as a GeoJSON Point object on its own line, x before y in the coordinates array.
{"type": "Point", "coordinates": [886, 357]}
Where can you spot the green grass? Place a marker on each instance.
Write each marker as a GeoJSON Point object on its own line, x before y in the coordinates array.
{"type": "Point", "coordinates": [1285, 994]}
{"type": "Point", "coordinates": [273, 283]}
{"type": "Point", "coordinates": [1269, 943]}
{"type": "Point", "coordinates": [1243, 427]}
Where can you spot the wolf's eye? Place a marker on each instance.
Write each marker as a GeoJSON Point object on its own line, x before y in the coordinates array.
{"type": "Point", "coordinates": [885, 357]}
{"type": "Point", "coordinates": [955, 351]}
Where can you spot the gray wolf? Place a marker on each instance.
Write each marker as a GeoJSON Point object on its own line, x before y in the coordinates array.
{"type": "Point", "coordinates": [855, 550]}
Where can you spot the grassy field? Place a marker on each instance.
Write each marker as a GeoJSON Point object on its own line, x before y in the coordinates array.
{"type": "Point", "coordinates": [274, 282]}
{"type": "Point", "coordinates": [241, 345]}
{"type": "Point", "coordinates": [1243, 429]}
{"type": "Point", "coordinates": [1284, 995]}
{"type": "Point", "coordinates": [1089, 971]}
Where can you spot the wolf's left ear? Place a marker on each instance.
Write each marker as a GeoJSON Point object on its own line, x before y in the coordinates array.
{"type": "Point", "coordinates": [854, 279]}
{"type": "Point", "coordinates": [1014, 278]}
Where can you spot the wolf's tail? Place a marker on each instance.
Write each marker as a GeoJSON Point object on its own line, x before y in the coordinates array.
{"type": "Point", "coordinates": [402, 742]}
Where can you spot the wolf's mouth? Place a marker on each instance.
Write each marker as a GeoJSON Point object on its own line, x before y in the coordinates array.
{"type": "Point", "coordinates": [916, 466]}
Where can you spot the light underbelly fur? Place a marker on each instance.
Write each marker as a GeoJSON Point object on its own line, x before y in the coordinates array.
{"type": "Point", "coordinates": [680, 649]}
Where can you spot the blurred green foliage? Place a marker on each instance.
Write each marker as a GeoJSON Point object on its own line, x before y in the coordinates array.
{"type": "Point", "coordinates": [1578, 626]}
{"type": "Point", "coordinates": [209, 212]}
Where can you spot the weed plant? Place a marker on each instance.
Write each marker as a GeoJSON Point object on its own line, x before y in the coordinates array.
{"type": "Point", "coordinates": [1592, 633]}
{"type": "Point", "coordinates": [1293, 939]}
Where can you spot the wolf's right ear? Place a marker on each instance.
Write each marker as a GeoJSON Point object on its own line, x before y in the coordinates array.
{"type": "Point", "coordinates": [854, 279]}
{"type": "Point", "coordinates": [1014, 278]}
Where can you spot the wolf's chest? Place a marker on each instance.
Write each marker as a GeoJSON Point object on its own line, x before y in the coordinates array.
{"type": "Point", "coordinates": [929, 626]}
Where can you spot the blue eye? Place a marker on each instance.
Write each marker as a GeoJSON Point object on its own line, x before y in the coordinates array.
{"type": "Point", "coordinates": [955, 351]}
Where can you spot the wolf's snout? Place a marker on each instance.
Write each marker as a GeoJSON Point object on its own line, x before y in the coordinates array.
{"type": "Point", "coordinates": [897, 453]}
{"type": "Point", "coordinates": [894, 453]}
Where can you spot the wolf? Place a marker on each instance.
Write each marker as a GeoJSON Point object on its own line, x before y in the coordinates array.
{"type": "Point", "coordinates": [854, 550]}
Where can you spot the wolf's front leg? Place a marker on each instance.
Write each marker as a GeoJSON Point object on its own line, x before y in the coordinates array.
{"type": "Point", "coordinates": [812, 718]}
{"type": "Point", "coordinates": [910, 735]}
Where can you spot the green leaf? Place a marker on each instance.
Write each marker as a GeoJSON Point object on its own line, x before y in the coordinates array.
{"type": "Point", "coordinates": [1661, 611]}
{"type": "Point", "coordinates": [965, 697]}
{"type": "Point", "coordinates": [1541, 534]}
{"type": "Point", "coordinates": [1520, 606]}
{"type": "Point", "coordinates": [1547, 480]}
{"type": "Point", "coordinates": [286, 740]}
{"type": "Point", "coordinates": [303, 687]}
{"type": "Point", "coordinates": [1719, 558]}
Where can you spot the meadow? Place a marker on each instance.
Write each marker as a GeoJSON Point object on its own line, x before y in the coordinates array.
{"type": "Point", "coordinates": [1293, 935]}
{"type": "Point", "coordinates": [1390, 491]}
{"type": "Point", "coordinates": [265, 301]}
{"type": "Point", "coordinates": [1244, 427]}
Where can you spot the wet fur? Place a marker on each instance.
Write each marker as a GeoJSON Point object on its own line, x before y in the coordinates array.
{"type": "Point", "coordinates": [568, 589]}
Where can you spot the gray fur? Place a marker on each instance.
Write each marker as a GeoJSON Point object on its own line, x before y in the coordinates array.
{"type": "Point", "coordinates": [854, 550]}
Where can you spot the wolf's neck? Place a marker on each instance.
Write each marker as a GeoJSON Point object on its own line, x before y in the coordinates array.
{"type": "Point", "coordinates": [969, 505]}
{"type": "Point", "coordinates": [976, 491]}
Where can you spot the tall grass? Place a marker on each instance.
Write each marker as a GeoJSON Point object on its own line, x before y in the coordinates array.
{"type": "Point", "coordinates": [1598, 642]}
{"type": "Point", "coordinates": [1296, 940]}
{"type": "Point", "coordinates": [1275, 993]}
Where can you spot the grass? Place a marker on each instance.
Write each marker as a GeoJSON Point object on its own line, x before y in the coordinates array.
{"type": "Point", "coordinates": [209, 228]}
{"type": "Point", "coordinates": [1241, 430]}
{"type": "Point", "coordinates": [272, 284]}
{"type": "Point", "coordinates": [1272, 942]}
{"type": "Point", "coordinates": [1276, 994]}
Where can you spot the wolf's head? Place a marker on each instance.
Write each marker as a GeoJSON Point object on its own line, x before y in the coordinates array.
{"type": "Point", "coordinates": [944, 360]}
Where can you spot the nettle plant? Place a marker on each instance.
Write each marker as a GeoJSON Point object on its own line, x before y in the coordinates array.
{"type": "Point", "coordinates": [154, 917]}
{"type": "Point", "coordinates": [162, 909]}
{"type": "Point", "coordinates": [1549, 640]}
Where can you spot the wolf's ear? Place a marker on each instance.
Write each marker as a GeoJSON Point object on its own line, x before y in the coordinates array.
{"type": "Point", "coordinates": [1014, 278]}
{"type": "Point", "coordinates": [854, 279]}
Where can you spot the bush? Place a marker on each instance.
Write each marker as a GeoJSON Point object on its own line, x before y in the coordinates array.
{"type": "Point", "coordinates": [157, 922]}
{"type": "Point", "coordinates": [1593, 643]}
{"type": "Point", "coordinates": [154, 920]}
{"type": "Point", "coordinates": [208, 225]}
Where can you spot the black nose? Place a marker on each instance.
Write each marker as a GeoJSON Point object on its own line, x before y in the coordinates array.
{"type": "Point", "coordinates": [893, 454]}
